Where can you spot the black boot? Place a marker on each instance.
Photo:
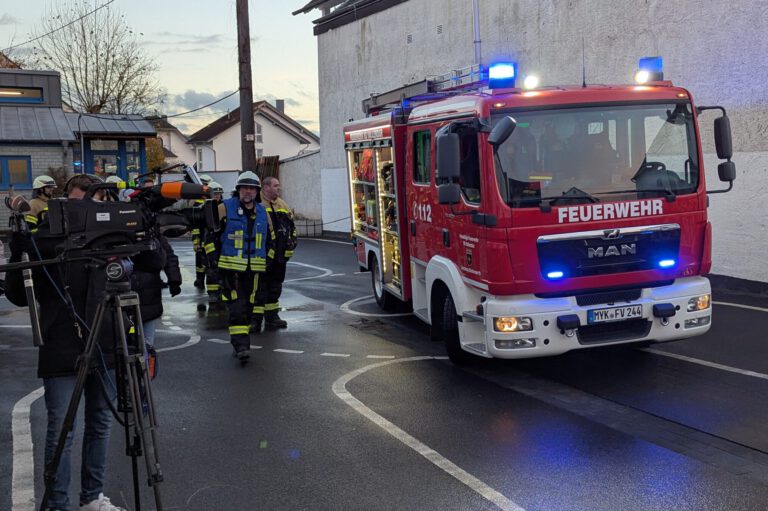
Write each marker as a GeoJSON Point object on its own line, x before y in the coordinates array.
{"type": "Point", "coordinates": [256, 324]}
{"type": "Point", "coordinates": [272, 321]}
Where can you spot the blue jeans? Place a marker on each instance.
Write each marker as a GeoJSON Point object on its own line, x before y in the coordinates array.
{"type": "Point", "coordinates": [98, 421]}
{"type": "Point", "coordinates": [149, 331]}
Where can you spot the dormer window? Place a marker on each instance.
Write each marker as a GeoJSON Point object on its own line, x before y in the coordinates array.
{"type": "Point", "coordinates": [25, 95]}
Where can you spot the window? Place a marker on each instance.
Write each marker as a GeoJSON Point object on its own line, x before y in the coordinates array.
{"type": "Point", "coordinates": [20, 95]}
{"type": "Point", "coordinates": [259, 153]}
{"type": "Point", "coordinates": [470, 164]}
{"type": "Point", "coordinates": [199, 159]}
{"type": "Point", "coordinates": [421, 156]}
{"type": "Point", "coordinates": [15, 171]}
{"type": "Point", "coordinates": [259, 137]}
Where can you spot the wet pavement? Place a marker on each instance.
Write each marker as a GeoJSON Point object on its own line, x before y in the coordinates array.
{"type": "Point", "coordinates": [353, 408]}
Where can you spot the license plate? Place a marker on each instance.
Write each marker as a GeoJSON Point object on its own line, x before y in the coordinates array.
{"type": "Point", "coordinates": [614, 314]}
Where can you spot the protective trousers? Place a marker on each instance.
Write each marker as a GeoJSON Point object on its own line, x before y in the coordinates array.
{"type": "Point", "coordinates": [273, 288]}
{"type": "Point", "coordinates": [239, 293]}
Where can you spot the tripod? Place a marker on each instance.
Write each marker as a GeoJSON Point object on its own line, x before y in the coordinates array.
{"type": "Point", "coordinates": [132, 381]}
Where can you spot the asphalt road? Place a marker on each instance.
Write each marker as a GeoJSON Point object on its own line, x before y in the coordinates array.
{"type": "Point", "coordinates": [352, 408]}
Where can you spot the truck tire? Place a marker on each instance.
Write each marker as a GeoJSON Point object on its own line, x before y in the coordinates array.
{"type": "Point", "coordinates": [384, 300]}
{"type": "Point", "coordinates": [445, 327]}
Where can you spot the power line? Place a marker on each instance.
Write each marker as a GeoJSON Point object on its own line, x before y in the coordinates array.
{"type": "Point", "coordinates": [196, 109]}
{"type": "Point", "coordinates": [60, 28]}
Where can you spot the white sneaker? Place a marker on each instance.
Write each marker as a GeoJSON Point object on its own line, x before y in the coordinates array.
{"type": "Point", "coordinates": [101, 504]}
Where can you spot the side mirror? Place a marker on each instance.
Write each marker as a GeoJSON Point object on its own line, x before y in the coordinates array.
{"type": "Point", "coordinates": [723, 143]}
{"type": "Point", "coordinates": [727, 171]}
{"type": "Point", "coordinates": [502, 131]}
{"type": "Point", "coordinates": [448, 156]}
{"type": "Point", "coordinates": [449, 193]}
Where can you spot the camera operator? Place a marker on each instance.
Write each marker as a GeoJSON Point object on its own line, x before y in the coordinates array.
{"type": "Point", "coordinates": [64, 334]}
{"type": "Point", "coordinates": [242, 246]}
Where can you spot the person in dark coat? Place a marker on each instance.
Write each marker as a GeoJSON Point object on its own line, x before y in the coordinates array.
{"type": "Point", "coordinates": [64, 331]}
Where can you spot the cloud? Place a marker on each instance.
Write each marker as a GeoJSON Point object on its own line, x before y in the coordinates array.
{"type": "Point", "coordinates": [301, 91]}
{"type": "Point", "coordinates": [191, 99]}
{"type": "Point", "coordinates": [7, 19]}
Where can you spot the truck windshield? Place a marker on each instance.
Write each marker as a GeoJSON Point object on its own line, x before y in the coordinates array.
{"type": "Point", "coordinates": [580, 155]}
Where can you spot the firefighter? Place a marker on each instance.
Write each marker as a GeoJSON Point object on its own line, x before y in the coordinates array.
{"type": "Point", "coordinates": [213, 285]}
{"type": "Point", "coordinates": [42, 188]}
{"type": "Point", "coordinates": [197, 244]}
{"type": "Point", "coordinates": [280, 219]}
{"type": "Point", "coordinates": [242, 249]}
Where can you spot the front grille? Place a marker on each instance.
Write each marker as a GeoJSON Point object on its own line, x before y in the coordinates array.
{"type": "Point", "coordinates": [625, 295]}
{"type": "Point", "coordinates": [610, 332]}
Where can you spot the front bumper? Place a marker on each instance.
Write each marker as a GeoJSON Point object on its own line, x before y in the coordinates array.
{"type": "Point", "coordinates": [547, 338]}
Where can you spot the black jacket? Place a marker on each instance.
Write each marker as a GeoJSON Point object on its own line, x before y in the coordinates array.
{"type": "Point", "coordinates": [85, 282]}
{"type": "Point", "coordinates": [149, 285]}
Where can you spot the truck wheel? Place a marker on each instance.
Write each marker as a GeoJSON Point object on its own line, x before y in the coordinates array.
{"type": "Point", "coordinates": [385, 300]}
{"type": "Point", "coordinates": [445, 327]}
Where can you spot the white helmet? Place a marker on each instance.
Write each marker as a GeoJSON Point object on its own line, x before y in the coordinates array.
{"type": "Point", "coordinates": [248, 178]}
{"type": "Point", "coordinates": [42, 182]}
{"type": "Point", "coordinates": [206, 179]}
{"type": "Point", "coordinates": [114, 179]}
{"type": "Point", "coordinates": [215, 187]}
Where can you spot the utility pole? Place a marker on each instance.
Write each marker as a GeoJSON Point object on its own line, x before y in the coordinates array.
{"type": "Point", "coordinates": [247, 138]}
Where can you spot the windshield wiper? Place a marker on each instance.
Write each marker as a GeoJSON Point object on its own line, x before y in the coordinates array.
{"type": "Point", "coordinates": [668, 194]}
{"type": "Point", "coordinates": [573, 194]}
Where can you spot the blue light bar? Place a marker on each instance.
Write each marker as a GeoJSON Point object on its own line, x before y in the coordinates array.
{"type": "Point", "coordinates": [502, 75]}
{"type": "Point", "coordinates": [554, 275]}
{"type": "Point", "coordinates": [667, 263]}
{"type": "Point", "coordinates": [654, 66]}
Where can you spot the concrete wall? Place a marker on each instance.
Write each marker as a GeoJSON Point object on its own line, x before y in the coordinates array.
{"type": "Point", "coordinates": [300, 183]}
{"type": "Point", "coordinates": [702, 43]}
{"type": "Point", "coordinates": [42, 158]}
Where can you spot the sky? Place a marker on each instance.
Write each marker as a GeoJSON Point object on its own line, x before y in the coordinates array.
{"type": "Point", "coordinates": [194, 43]}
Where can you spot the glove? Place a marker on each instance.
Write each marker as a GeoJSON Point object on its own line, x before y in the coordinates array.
{"type": "Point", "coordinates": [174, 288]}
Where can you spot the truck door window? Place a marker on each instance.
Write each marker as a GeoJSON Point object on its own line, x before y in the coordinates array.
{"type": "Point", "coordinates": [422, 144]}
{"type": "Point", "coordinates": [470, 164]}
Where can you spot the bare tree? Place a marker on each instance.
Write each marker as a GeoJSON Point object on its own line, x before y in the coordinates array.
{"type": "Point", "coordinates": [103, 68]}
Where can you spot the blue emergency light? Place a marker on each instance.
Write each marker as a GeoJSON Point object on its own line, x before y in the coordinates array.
{"type": "Point", "coordinates": [650, 69]}
{"type": "Point", "coordinates": [555, 275]}
{"type": "Point", "coordinates": [502, 75]}
{"type": "Point", "coordinates": [667, 263]}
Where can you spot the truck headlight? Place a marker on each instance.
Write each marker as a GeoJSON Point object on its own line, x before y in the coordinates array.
{"type": "Point", "coordinates": [699, 303]}
{"type": "Point", "coordinates": [508, 324]}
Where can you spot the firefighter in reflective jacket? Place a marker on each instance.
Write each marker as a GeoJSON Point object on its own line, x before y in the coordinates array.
{"type": "Point", "coordinates": [197, 243]}
{"type": "Point", "coordinates": [212, 280]}
{"type": "Point", "coordinates": [243, 249]}
{"type": "Point", "coordinates": [281, 224]}
{"type": "Point", "coordinates": [43, 188]}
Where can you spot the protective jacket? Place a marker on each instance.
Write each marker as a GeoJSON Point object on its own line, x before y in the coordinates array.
{"type": "Point", "coordinates": [149, 285]}
{"type": "Point", "coordinates": [37, 206]}
{"type": "Point", "coordinates": [243, 242]}
{"type": "Point", "coordinates": [63, 339]}
{"type": "Point", "coordinates": [281, 223]}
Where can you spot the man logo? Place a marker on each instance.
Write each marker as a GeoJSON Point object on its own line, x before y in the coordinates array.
{"type": "Point", "coordinates": [612, 250]}
{"type": "Point", "coordinates": [611, 234]}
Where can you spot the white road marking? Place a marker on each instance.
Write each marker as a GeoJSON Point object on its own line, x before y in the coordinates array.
{"type": "Point", "coordinates": [193, 339]}
{"type": "Point", "coordinates": [475, 484]}
{"type": "Point", "coordinates": [345, 307]}
{"type": "Point", "coordinates": [166, 318]}
{"type": "Point", "coordinates": [15, 326]}
{"type": "Point", "coordinates": [337, 275]}
{"type": "Point", "coordinates": [167, 323]}
{"type": "Point", "coordinates": [218, 341]}
{"type": "Point", "coordinates": [22, 485]}
{"type": "Point", "coordinates": [281, 350]}
{"type": "Point", "coordinates": [750, 307]}
{"type": "Point", "coordinates": [348, 243]}
{"type": "Point", "coordinates": [706, 363]}
{"type": "Point", "coordinates": [380, 356]}
{"type": "Point", "coordinates": [175, 328]}
{"type": "Point", "coordinates": [361, 272]}
{"type": "Point", "coordinates": [334, 354]}
{"type": "Point", "coordinates": [326, 272]}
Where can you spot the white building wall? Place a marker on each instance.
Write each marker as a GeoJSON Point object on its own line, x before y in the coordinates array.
{"type": "Point", "coordinates": [702, 46]}
{"type": "Point", "coordinates": [275, 142]}
{"type": "Point", "coordinates": [300, 183]}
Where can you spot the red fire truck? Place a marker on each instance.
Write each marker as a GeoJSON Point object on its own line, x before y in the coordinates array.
{"type": "Point", "coordinates": [527, 222]}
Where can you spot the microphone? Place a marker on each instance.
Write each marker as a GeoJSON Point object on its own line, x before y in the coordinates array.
{"type": "Point", "coordinates": [17, 203]}
{"type": "Point", "coordinates": [182, 190]}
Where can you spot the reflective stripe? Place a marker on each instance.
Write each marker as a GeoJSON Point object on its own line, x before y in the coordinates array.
{"type": "Point", "coordinates": [255, 287]}
{"type": "Point", "coordinates": [272, 307]}
{"type": "Point", "coordinates": [210, 247]}
{"type": "Point", "coordinates": [31, 219]}
{"type": "Point", "coordinates": [289, 253]}
{"type": "Point", "coordinates": [271, 253]}
{"type": "Point", "coordinates": [238, 330]}
{"type": "Point", "coordinates": [213, 287]}
{"type": "Point", "coordinates": [233, 263]}
{"type": "Point", "coordinates": [258, 309]}
{"type": "Point", "coordinates": [233, 295]}
{"type": "Point", "coordinates": [200, 269]}
{"type": "Point", "coordinates": [195, 232]}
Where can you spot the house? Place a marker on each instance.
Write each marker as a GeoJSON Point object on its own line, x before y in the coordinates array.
{"type": "Point", "coordinates": [176, 148]}
{"type": "Point", "coordinates": [37, 134]}
{"type": "Point", "coordinates": [217, 146]}
{"type": "Point", "coordinates": [373, 46]}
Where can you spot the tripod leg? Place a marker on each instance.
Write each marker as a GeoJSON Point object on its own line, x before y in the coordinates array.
{"type": "Point", "coordinates": [82, 373]}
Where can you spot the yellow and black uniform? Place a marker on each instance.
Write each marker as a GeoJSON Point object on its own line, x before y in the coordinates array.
{"type": "Point", "coordinates": [285, 237]}
{"type": "Point", "coordinates": [197, 246]}
{"type": "Point", "coordinates": [241, 251]}
{"type": "Point", "coordinates": [37, 208]}
{"type": "Point", "coordinates": [212, 279]}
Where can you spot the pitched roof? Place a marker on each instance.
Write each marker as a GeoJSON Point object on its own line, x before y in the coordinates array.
{"type": "Point", "coordinates": [280, 119]}
{"type": "Point", "coordinates": [34, 124]}
{"type": "Point", "coordinates": [110, 124]}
